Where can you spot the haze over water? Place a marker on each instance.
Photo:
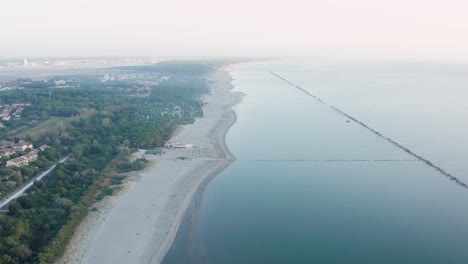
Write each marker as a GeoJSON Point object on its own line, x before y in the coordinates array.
{"type": "Point", "coordinates": [310, 187]}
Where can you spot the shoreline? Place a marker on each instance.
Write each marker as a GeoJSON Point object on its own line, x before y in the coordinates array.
{"type": "Point", "coordinates": [119, 232]}
{"type": "Point", "coordinates": [161, 252]}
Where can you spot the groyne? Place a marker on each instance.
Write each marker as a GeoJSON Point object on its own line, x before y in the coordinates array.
{"type": "Point", "coordinates": [380, 135]}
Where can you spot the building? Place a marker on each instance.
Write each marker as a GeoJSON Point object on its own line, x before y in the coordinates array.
{"type": "Point", "coordinates": [60, 82]}
{"type": "Point", "coordinates": [4, 144]}
{"type": "Point", "coordinates": [17, 162]}
{"type": "Point", "coordinates": [22, 145]}
{"type": "Point", "coordinates": [178, 145]}
{"type": "Point", "coordinates": [6, 152]}
{"type": "Point", "coordinates": [44, 147]}
{"type": "Point", "coordinates": [23, 160]}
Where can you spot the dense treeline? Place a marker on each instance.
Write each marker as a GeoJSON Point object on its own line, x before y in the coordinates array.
{"type": "Point", "coordinates": [39, 225]}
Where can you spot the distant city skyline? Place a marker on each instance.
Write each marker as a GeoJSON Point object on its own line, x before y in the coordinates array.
{"type": "Point", "coordinates": [433, 30]}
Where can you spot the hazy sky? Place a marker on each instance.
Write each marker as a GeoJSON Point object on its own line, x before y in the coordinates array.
{"type": "Point", "coordinates": [430, 29]}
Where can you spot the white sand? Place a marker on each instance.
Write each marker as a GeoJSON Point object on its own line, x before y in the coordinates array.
{"type": "Point", "coordinates": [140, 224]}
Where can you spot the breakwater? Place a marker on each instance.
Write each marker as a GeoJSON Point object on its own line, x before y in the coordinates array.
{"type": "Point", "coordinates": [377, 133]}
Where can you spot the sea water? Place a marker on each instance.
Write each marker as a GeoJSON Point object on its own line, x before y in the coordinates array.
{"type": "Point", "coordinates": [312, 186]}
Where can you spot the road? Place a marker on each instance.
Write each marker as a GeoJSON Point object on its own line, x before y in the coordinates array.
{"type": "Point", "coordinates": [27, 186]}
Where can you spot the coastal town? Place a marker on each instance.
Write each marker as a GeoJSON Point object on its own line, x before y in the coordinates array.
{"type": "Point", "coordinates": [140, 82]}
{"type": "Point", "coordinates": [60, 63]}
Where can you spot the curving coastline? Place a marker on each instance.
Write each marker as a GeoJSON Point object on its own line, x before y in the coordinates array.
{"type": "Point", "coordinates": [140, 224]}
{"type": "Point", "coordinates": [219, 135]}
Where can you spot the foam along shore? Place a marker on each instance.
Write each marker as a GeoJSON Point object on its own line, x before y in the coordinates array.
{"type": "Point", "coordinates": [140, 224]}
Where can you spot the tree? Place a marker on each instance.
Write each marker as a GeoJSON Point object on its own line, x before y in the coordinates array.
{"type": "Point", "coordinates": [6, 259]}
{"type": "Point", "coordinates": [18, 178]}
{"type": "Point", "coordinates": [21, 252]}
{"type": "Point", "coordinates": [14, 208]}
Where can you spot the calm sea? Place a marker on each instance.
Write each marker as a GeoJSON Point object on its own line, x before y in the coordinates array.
{"type": "Point", "coordinates": [312, 186]}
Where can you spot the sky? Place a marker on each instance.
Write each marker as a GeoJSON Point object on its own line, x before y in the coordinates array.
{"type": "Point", "coordinates": [402, 29]}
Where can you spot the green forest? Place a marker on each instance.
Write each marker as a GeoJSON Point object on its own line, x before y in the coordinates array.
{"type": "Point", "coordinates": [104, 122]}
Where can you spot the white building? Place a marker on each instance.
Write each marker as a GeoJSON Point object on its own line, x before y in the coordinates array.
{"type": "Point", "coordinates": [23, 160]}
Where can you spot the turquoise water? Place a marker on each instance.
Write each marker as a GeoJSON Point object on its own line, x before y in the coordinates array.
{"type": "Point", "coordinates": [310, 187]}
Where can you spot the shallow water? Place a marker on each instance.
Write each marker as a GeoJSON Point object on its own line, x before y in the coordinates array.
{"type": "Point", "coordinates": [310, 187]}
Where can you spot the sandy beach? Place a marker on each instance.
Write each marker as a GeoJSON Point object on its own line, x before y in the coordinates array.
{"type": "Point", "coordinates": [139, 224]}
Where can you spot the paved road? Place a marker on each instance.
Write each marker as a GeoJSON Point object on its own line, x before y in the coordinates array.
{"type": "Point", "coordinates": [27, 186]}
